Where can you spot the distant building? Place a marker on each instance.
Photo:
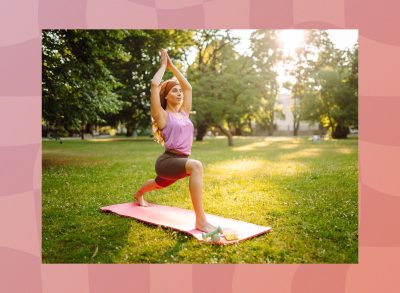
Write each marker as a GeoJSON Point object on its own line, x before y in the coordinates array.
{"type": "Point", "coordinates": [285, 126]}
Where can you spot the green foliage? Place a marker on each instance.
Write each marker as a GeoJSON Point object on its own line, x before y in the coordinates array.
{"type": "Point", "coordinates": [266, 54]}
{"type": "Point", "coordinates": [326, 87]}
{"type": "Point", "coordinates": [103, 76]}
{"type": "Point", "coordinates": [221, 94]}
{"type": "Point", "coordinates": [136, 74]}
{"type": "Point", "coordinates": [77, 85]}
{"type": "Point", "coordinates": [302, 85]}
{"type": "Point", "coordinates": [231, 89]}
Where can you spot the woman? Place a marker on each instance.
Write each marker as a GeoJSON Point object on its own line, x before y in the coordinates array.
{"type": "Point", "coordinates": [171, 102]}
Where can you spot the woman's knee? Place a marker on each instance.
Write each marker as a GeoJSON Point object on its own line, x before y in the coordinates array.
{"type": "Point", "coordinates": [194, 166]}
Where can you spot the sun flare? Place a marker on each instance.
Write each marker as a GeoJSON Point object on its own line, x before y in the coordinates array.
{"type": "Point", "coordinates": [291, 40]}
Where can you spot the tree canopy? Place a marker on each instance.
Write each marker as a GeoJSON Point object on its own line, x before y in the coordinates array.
{"type": "Point", "coordinates": [326, 88]}
{"type": "Point", "coordinates": [102, 77]}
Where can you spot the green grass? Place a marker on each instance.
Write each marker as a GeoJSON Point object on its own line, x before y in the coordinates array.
{"type": "Point", "coordinates": [307, 192]}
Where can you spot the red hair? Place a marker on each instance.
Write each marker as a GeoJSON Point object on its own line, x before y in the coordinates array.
{"type": "Point", "coordinates": [165, 87]}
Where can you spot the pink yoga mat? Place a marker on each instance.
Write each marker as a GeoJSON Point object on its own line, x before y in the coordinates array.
{"type": "Point", "coordinates": [183, 220]}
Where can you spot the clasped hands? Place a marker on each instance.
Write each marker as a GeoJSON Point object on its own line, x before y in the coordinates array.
{"type": "Point", "coordinates": [164, 59]}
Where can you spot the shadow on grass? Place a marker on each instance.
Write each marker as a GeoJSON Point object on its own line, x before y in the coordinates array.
{"type": "Point", "coordinates": [270, 149]}
{"type": "Point", "coordinates": [62, 161]}
{"type": "Point", "coordinates": [180, 239]}
{"type": "Point", "coordinates": [308, 224]}
{"type": "Point", "coordinates": [71, 240]}
{"type": "Point", "coordinates": [299, 150]}
{"type": "Point", "coordinates": [120, 140]}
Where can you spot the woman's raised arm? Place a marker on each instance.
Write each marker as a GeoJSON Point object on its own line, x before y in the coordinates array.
{"type": "Point", "coordinates": [185, 85]}
{"type": "Point", "coordinates": [157, 112]}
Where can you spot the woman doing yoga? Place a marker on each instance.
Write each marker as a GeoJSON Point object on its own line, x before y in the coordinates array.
{"type": "Point", "coordinates": [171, 102]}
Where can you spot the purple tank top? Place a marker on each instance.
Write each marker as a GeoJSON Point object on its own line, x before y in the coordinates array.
{"type": "Point", "coordinates": [178, 134]}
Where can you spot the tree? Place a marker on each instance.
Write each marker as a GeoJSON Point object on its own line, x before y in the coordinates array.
{"type": "Point", "coordinates": [77, 85]}
{"type": "Point", "coordinates": [352, 83]}
{"type": "Point", "coordinates": [93, 77]}
{"type": "Point", "coordinates": [136, 74]}
{"type": "Point", "coordinates": [267, 55]}
{"type": "Point", "coordinates": [222, 84]}
{"type": "Point", "coordinates": [328, 85]}
{"type": "Point", "coordinates": [301, 86]}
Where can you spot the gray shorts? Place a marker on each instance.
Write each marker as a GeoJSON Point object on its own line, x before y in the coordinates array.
{"type": "Point", "coordinates": [170, 167]}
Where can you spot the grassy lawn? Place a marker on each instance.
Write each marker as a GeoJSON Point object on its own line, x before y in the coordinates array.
{"type": "Point", "coordinates": [306, 191]}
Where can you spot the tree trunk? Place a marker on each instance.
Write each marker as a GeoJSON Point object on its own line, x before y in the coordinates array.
{"type": "Point", "coordinates": [129, 130]}
{"type": "Point", "coordinates": [271, 130]}
{"type": "Point", "coordinates": [251, 127]}
{"type": "Point", "coordinates": [321, 130]}
{"type": "Point", "coordinates": [296, 125]}
{"type": "Point", "coordinates": [227, 133]}
{"type": "Point", "coordinates": [238, 130]}
{"type": "Point", "coordinates": [201, 131]}
{"type": "Point", "coordinates": [83, 131]}
{"type": "Point", "coordinates": [89, 128]}
{"type": "Point", "coordinates": [340, 131]}
{"type": "Point", "coordinates": [271, 126]}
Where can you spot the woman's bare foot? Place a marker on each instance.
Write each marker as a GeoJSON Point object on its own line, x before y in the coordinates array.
{"type": "Point", "coordinates": [141, 201]}
{"type": "Point", "coordinates": [205, 227]}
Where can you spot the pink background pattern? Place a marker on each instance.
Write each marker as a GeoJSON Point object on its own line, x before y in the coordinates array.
{"type": "Point", "coordinates": [21, 22]}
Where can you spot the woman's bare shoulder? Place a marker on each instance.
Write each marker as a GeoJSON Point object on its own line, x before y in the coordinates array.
{"type": "Point", "coordinates": [162, 118]}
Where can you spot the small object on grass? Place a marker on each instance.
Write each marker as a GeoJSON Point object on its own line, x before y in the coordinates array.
{"type": "Point", "coordinates": [315, 138]}
{"type": "Point", "coordinates": [95, 252]}
{"type": "Point", "coordinates": [215, 238]}
{"type": "Point", "coordinates": [213, 234]}
{"type": "Point", "coordinates": [231, 235]}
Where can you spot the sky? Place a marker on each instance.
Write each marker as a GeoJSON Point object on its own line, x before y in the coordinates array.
{"type": "Point", "coordinates": [342, 38]}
